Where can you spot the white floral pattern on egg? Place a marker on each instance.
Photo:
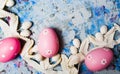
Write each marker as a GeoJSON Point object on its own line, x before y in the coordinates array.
{"type": "Point", "coordinates": [98, 59]}
{"type": "Point", "coordinates": [48, 43]}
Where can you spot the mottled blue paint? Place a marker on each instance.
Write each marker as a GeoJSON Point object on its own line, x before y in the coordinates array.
{"type": "Point", "coordinates": [26, 3]}
{"type": "Point", "coordinates": [76, 30]}
{"type": "Point", "coordinates": [33, 2]}
{"type": "Point", "coordinates": [68, 1]}
{"type": "Point", "coordinates": [116, 53]}
{"type": "Point", "coordinates": [19, 1]}
{"type": "Point", "coordinates": [71, 42]}
{"type": "Point", "coordinates": [117, 0]}
{"type": "Point", "coordinates": [106, 11]}
{"type": "Point", "coordinates": [86, 72]}
{"type": "Point", "coordinates": [119, 15]}
{"type": "Point", "coordinates": [20, 57]}
{"type": "Point", "coordinates": [97, 11]}
{"type": "Point", "coordinates": [70, 23]}
{"type": "Point", "coordinates": [83, 67]}
{"type": "Point", "coordinates": [100, 21]}
{"type": "Point", "coordinates": [112, 20]}
{"type": "Point", "coordinates": [100, 11]}
{"type": "Point", "coordinates": [18, 10]}
{"type": "Point", "coordinates": [77, 36]}
{"type": "Point", "coordinates": [92, 29]}
{"type": "Point", "coordinates": [66, 51]}
{"type": "Point", "coordinates": [118, 5]}
{"type": "Point", "coordinates": [38, 73]}
{"type": "Point", "coordinates": [15, 65]}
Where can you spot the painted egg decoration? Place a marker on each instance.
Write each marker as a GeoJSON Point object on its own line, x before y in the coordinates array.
{"type": "Point", "coordinates": [98, 59]}
{"type": "Point", "coordinates": [9, 49]}
{"type": "Point", "coordinates": [48, 43]}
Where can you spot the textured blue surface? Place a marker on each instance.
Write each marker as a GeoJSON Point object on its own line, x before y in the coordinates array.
{"type": "Point", "coordinates": [72, 18]}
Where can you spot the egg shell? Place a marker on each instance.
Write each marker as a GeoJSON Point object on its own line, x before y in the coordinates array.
{"type": "Point", "coordinates": [48, 43]}
{"type": "Point", "coordinates": [9, 49]}
{"type": "Point", "coordinates": [98, 59]}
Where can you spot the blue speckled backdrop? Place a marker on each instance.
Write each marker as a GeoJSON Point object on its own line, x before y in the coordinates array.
{"type": "Point", "coordinates": [72, 18]}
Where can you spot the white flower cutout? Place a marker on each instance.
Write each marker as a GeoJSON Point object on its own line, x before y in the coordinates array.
{"type": "Point", "coordinates": [45, 32]}
{"type": "Point", "coordinates": [103, 61]}
{"type": "Point", "coordinates": [106, 49]}
{"type": "Point", "coordinates": [89, 57]}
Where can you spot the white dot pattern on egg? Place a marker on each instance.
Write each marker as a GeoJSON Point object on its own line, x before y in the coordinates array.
{"type": "Point", "coordinates": [3, 56]}
{"type": "Point", "coordinates": [103, 61]}
{"type": "Point", "coordinates": [89, 57]}
{"type": "Point", "coordinates": [11, 48]}
{"type": "Point", "coordinates": [45, 32]}
{"type": "Point", "coordinates": [105, 49]}
{"type": "Point", "coordinates": [49, 52]}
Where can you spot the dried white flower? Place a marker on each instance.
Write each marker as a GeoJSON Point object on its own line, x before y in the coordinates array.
{"type": "Point", "coordinates": [73, 50]}
{"type": "Point", "coordinates": [103, 29]}
{"type": "Point", "coordinates": [26, 25]}
{"type": "Point", "coordinates": [76, 42]}
{"type": "Point", "coordinates": [56, 57]}
{"type": "Point", "coordinates": [2, 3]}
{"type": "Point", "coordinates": [75, 59]}
{"type": "Point", "coordinates": [10, 3]}
{"type": "Point", "coordinates": [25, 33]}
{"type": "Point", "coordinates": [99, 36]}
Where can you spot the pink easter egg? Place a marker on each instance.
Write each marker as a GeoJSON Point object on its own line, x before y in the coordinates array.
{"type": "Point", "coordinates": [48, 43]}
{"type": "Point", "coordinates": [98, 59]}
{"type": "Point", "coordinates": [9, 49]}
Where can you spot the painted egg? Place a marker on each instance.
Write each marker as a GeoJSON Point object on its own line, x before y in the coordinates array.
{"type": "Point", "coordinates": [48, 43]}
{"type": "Point", "coordinates": [9, 49]}
{"type": "Point", "coordinates": [98, 59]}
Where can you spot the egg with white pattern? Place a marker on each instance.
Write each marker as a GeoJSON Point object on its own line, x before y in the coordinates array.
{"type": "Point", "coordinates": [98, 59]}
{"type": "Point", "coordinates": [9, 49]}
{"type": "Point", "coordinates": [48, 43]}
